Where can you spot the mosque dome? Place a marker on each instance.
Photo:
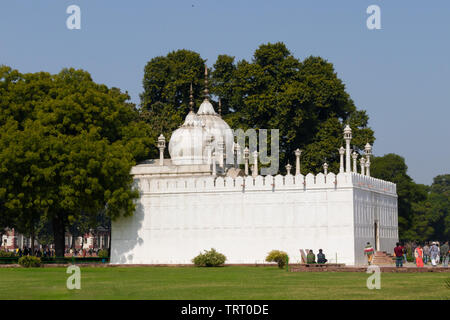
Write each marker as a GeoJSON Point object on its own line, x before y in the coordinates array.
{"type": "Point", "coordinates": [215, 126]}
{"type": "Point", "coordinates": [186, 143]}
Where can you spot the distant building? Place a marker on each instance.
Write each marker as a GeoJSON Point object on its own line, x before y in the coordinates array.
{"type": "Point", "coordinates": [99, 239]}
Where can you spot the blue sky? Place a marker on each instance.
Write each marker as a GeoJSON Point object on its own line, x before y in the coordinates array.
{"type": "Point", "coordinates": [399, 74]}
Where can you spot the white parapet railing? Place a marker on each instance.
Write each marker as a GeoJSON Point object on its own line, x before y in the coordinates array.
{"type": "Point", "coordinates": [149, 184]}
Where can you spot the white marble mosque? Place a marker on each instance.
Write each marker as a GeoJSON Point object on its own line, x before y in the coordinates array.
{"type": "Point", "coordinates": [196, 200]}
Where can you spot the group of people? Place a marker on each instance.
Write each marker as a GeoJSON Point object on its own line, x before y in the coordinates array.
{"type": "Point", "coordinates": [47, 252]}
{"type": "Point", "coordinates": [44, 252]}
{"type": "Point", "coordinates": [311, 257]}
{"type": "Point", "coordinates": [429, 252]}
{"type": "Point", "coordinates": [81, 252]}
{"type": "Point", "coordinates": [433, 253]}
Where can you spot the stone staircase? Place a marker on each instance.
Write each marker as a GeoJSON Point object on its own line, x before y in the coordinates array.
{"type": "Point", "coordinates": [382, 258]}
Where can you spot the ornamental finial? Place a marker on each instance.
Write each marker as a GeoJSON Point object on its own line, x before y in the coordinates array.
{"type": "Point", "coordinates": [206, 91]}
{"type": "Point", "coordinates": [288, 168]}
{"type": "Point", "coordinates": [191, 99]}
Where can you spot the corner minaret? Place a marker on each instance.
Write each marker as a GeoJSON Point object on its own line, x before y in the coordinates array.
{"type": "Point", "coordinates": [347, 138]}
{"type": "Point", "coordinates": [161, 147]}
{"type": "Point", "coordinates": [297, 153]}
{"type": "Point", "coordinates": [362, 162]}
{"type": "Point", "coordinates": [341, 159]}
{"type": "Point", "coordinates": [325, 168]}
{"type": "Point", "coordinates": [368, 152]}
{"type": "Point", "coordinates": [354, 157]}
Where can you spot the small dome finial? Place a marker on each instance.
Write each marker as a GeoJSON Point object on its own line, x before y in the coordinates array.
{"type": "Point", "coordinates": [206, 91]}
{"type": "Point", "coordinates": [220, 107]}
{"type": "Point", "coordinates": [191, 99]}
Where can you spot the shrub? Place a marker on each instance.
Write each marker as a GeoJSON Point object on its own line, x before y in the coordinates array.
{"type": "Point", "coordinates": [210, 258]}
{"type": "Point", "coordinates": [103, 254]}
{"type": "Point", "coordinates": [280, 257]}
{"type": "Point", "coordinates": [6, 254]}
{"type": "Point", "coordinates": [30, 261]}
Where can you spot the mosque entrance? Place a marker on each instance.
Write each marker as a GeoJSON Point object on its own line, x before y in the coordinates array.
{"type": "Point", "coordinates": [377, 236]}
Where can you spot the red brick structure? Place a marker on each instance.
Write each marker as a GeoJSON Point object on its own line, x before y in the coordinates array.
{"type": "Point", "coordinates": [12, 240]}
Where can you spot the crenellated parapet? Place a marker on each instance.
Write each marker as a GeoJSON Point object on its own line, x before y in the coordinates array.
{"type": "Point", "coordinates": [371, 183]}
{"type": "Point", "coordinates": [154, 185]}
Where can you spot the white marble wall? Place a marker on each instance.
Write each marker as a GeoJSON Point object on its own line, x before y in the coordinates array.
{"type": "Point", "coordinates": [244, 219]}
{"type": "Point", "coordinates": [370, 206]}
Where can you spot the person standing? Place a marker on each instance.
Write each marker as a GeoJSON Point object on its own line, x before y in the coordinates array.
{"type": "Point", "coordinates": [369, 252]}
{"type": "Point", "coordinates": [398, 251]}
{"type": "Point", "coordinates": [445, 254]}
{"type": "Point", "coordinates": [434, 252]}
{"type": "Point", "coordinates": [405, 251]}
{"type": "Point", "coordinates": [418, 254]}
{"type": "Point", "coordinates": [426, 252]}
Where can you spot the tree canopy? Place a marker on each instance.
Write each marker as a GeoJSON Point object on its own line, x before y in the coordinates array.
{"type": "Point", "coordinates": [67, 145]}
{"type": "Point", "coordinates": [167, 80]}
{"type": "Point", "coordinates": [423, 211]}
{"type": "Point", "coordinates": [431, 216]}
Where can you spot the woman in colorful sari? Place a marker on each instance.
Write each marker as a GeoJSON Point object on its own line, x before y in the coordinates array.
{"type": "Point", "coordinates": [418, 253]}
{"type": "Point", "coordinates": [369, 252]}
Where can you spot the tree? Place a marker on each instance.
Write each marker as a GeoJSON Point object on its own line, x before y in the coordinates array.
{"type": "Point", "coordinates": [67, 146]}
{"type": "Point", "coordinates": [392, 167]}
{"type": "Point", "coordinates": [431, 219]}
{"type": "Point", "coordinates": [165, 100]}
{"type": "Point", "coordinates": [23, 187]}
{"type": "Point", "coordinates": [440, 197]}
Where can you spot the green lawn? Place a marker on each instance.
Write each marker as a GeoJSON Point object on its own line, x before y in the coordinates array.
{"type": "Point", "coordinates": [230, 282]}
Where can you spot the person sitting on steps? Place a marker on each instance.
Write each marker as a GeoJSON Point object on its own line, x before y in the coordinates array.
{"type": "Point", "coordinates": [311, 257]}
{"type": "Point", "coordinates": [321, 257]}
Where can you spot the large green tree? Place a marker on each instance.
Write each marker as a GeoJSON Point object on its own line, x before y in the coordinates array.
{"type": "Point", "coordinates": [431, 217]}
{"type": "Point", "coordinates": [392, 167]}
{"type": "Point", "coordinates": [67, 145]}
{"type": "Point", "coordinates": [166, 83]}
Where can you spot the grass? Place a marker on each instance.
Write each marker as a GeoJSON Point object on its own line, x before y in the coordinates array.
{"type": "Point", "coordinates": [230, 282]}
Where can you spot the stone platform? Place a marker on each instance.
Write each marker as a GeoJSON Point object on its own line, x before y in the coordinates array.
{"type": "Point", "coordinates": [331, 268]}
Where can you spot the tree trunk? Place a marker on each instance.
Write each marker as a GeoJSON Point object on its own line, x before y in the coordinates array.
{"type": "Point", "coordinates": [58, 234]}
{"type": "Point", "coordinates": [32, 242]}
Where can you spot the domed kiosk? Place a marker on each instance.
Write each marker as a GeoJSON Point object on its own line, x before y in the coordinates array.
{"type": "Point", "coordinates": [202, 135]}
